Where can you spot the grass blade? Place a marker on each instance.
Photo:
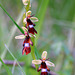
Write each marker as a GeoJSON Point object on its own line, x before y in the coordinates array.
{"type": "Point", "coordinates": [15, 59]}
{"type": "Point", "coordinates": [12, 20]}
{"type": "Point", "coordinates": [12, 32]}
{"type": "Point", "coordinates": [41, 16]}
{"type": "Point", "coordinates": [7, 69]}
{"type": "Point", "coordinates": [37, 53]}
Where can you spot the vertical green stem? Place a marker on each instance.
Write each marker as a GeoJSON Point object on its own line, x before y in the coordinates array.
{"type": "Point", "coordinates": [28, 6]}
{"type": "Point", "coordinates": [7, 69]}
{"type": "Point", "coordinates": [32, 47]}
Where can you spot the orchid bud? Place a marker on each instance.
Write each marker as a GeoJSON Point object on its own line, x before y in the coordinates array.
{"type": "Point", "coordinates": [25, 2]}
{"type": "Point", "coordinates": [34, 19]}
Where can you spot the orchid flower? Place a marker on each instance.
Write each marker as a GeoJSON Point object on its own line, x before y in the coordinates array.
{"type": "Point", "coordinates": [27, 41]}
{"type": "Point", "coordinates": [33, 19]}
{"type": "Point", "coordinates": [26, 44]}
{"type": "Point", "coordinates": [44, 63]}
{"type": "Point", "coordinates": [29, 22]}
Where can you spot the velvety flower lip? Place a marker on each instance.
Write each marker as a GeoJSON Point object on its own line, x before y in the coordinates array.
{"type": "Point", "coordinates": [26, 44]}
{"type": "Point", "coordinates": [29, 32]}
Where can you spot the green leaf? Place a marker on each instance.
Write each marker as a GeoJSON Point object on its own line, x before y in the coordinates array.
{"type": "Point", "coordinates": [12, 32]}
{"type": "Point", "coordinates": [7, 69]}
{"type": "Point", "coordinates": [66, 50]}
{"type": "Point", "coordinates": [24, 16]}
{"type": "Point", "coordinates": [33, 52]}
{"type": "Point", "coordinates": [37, 53]}
{"type": "Point", "coordinates": [12, 20]}
{"type": "Point", "coordinates": [40, 17]}
{"type": "Point", "coordinates": [32, 49]}
{"type": "Point", "coordinates": [15, 59]}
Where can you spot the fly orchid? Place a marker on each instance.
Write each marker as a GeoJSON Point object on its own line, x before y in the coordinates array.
{"type": "Point", "coordinates": [33, 19]}
{"type": "Point", "coordinates": [44, 63]}
{"type": "Point", "coordinates": [29, 22]}
{"type": "Point", "coordinates": [26, 43]}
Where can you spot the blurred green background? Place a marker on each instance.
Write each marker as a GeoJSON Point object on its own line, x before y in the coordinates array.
{"type": "Point", "coordinates": [56, 35]}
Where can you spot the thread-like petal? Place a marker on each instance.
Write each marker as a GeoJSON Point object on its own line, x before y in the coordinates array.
{"type": "Point", "coordinates": [25, 29]}
{"type": "Point", "coordinates": [36, 61]}
{"type": "Point", "coordinates": [49, 63]}
{"type": "Point", "coordinates": [20, 37]}
{"type": "Point", "coordinates": [34, 19]}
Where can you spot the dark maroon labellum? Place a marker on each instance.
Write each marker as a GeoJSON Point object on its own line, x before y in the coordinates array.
{"type": "Point", "coordinates": [26, 45]}
{"type": "Point", "coordinates": [44, 69]}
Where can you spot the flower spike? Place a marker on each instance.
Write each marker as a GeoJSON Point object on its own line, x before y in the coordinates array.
{"type": "Point", "coordinates": [28, 28]}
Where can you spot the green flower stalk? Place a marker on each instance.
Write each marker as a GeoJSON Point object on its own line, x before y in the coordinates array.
{"type": "Point", "coordinates": [29, 27]}
{"type": "Point", "coordinates": [29, 30]}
